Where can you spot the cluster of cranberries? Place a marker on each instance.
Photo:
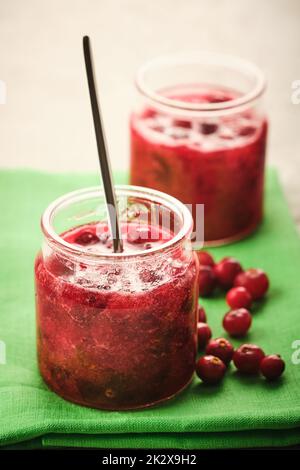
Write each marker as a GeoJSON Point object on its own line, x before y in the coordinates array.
{"type": "Point", "coordinates": [228, 273]}
{"type": "Point", "coordinates": [243, 287]}
{"type": "Point", "coordinates": [248, 359]}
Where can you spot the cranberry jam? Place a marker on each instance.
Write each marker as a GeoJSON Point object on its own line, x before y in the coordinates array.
{"type": "Point", "coordinates": [202, 143]}
{"type": "Point", "coordinates": [117, 331]}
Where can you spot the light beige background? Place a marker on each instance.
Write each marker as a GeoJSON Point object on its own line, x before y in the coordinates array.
{"type": "Point", "coordinates": [46, 122]}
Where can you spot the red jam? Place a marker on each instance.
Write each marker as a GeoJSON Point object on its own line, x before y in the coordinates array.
{"type": "Point", "coordinates": [118, 334]}
{"type": "Point", "coordinates": [218, 162]}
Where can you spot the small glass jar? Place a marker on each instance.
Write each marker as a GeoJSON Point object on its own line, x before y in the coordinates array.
{"type": "Point", "coordinates": [116, 330]}
{"type": "Point", "coordinates": [198, 132]}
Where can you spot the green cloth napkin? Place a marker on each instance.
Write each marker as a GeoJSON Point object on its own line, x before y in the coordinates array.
{"type": "Point", "coordinates": [243, 411]}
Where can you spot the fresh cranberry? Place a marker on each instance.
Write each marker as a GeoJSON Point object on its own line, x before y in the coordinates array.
{"type": "Point", "coordinates": [210, 369]}
{"type": "Point", "coordinates": [86, 238]}
{"type": "Point", "coordinates": [255, 281]}
{"type": "Point", "coordinates": [238, 297]}
{"type": "Point", "coordinates": [272, 366]}
{"type": "Point", "coordinates": [207, 281]}
{"type": "Point", "coordinates": [140, 234]}
{"type": "Point", "coordinates": [220, 348]}
{"type": "Point", "coordinates": [208, 128]}
{"type": "Point", "coordinates": [226, 271]}
{"type": "Point", "coordinates": [201, 315]}
{"type": "Point", "coordinates": [205, 259]}
{"type": "Point", "coordinates": [237, 322]}
{"type": "Point", "coordinates": [247, 358]}
{"type": "Point", "coordinates": [204, 334]}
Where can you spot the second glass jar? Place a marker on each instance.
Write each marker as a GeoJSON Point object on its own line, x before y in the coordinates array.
{"type": "Point", "coordinates": [198, 132]}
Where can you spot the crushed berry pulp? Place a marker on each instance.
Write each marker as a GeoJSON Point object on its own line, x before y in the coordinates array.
{"type": "Point", "coordinates": [120, 334]}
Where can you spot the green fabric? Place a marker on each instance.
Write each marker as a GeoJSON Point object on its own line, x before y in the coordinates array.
{"type": "Point", "coordinates": [243, 411]}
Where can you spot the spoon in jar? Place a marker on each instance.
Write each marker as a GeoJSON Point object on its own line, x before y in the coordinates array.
{"type": "Point", "coordinates": [109, 190]}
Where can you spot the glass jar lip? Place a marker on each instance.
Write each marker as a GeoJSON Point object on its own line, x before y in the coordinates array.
{"type": "Point", "coordinates": [128, 190]}
{"type": "Point", "coordinates": [208, 58]}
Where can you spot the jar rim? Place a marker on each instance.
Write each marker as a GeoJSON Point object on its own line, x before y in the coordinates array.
{"type": "Point", "coordinates": [207, 58]}
{"type": "Point", "coordinates": [128, 190]}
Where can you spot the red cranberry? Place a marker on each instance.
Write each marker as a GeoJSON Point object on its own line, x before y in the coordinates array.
{"type": "Point", "coordinates": [205, 259]}
{"type": "Point", "coordinates": [237, 322]}
{"type": "Point", "coordinates": [86, 238]}
{"type": "Point", "coordinates": [255, 281]}
{"type": "Point", "coordinates": [220, 348]}
{"type": "Point", "coordinates": [247, 358]}
{"type": "Point", "coordinates": [204, 334]}
{"type": "Point", "coordinates": [208, 128]}
{"type": "Point", "coordinates": [272, 366]}
{"type": "Point", "coordinates": [207, 281]}
{"type": "Point", "coordinates": [210, 369]}
{"type": "Point", "coordinates": [201, 315]}
{"type": "Point", "coordinates": [226, 271]}
{"type": "Point", "coordinates": [238, 297]}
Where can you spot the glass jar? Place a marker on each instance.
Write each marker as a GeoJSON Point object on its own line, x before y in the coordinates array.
{"type": "Point", "coordinates": [198, 132]}
{"type": "Point", "coordinates": [116, 331]}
